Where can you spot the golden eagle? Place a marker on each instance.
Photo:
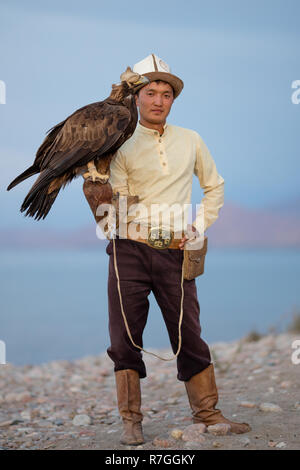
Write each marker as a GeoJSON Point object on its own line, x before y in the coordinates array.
{"type": "Point", "coordinates": [82, 144]}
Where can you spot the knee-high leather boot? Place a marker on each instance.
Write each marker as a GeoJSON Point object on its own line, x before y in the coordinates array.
{"type": "Point", "coordinates": [129, 404]}
{"type": "Point", "coordinates": [203, 397]}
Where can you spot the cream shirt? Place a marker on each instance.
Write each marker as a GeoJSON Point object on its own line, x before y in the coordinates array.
{"type": "Point", "coordinates": [159, 169]}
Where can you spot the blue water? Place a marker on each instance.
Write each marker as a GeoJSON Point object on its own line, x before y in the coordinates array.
{"type": "Point", "coordinates": [54, 304]}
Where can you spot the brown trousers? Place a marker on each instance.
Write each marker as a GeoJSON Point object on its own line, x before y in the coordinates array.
{"type": "Point", "coordinates": [143, 269]}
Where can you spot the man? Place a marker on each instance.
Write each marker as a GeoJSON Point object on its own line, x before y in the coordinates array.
{"type": "Point", "coordinates": [157, 164]}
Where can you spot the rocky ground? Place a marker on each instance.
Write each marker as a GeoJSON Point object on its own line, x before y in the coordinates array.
{"type": "Point", "coordinates": [72, 404]}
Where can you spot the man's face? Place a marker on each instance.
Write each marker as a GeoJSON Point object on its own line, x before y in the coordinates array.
{"type": "Point", "coordinates": [154, 101]}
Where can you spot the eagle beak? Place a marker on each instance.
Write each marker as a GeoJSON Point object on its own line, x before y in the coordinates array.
{"type": "Point", "coordinates": [142, 81]}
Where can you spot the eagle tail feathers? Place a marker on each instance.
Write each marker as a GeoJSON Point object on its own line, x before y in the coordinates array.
{"type": "Point", "coordinates": [39, 203]}
{"type": "Point", "coordinates": [32, 170]}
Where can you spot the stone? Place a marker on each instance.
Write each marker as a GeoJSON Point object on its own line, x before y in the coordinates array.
{"type": "Point", "coordinates": [26, 415]}
{"type": "Point", "coordinates": [247, 404]}
{"type": "Point", "coordinates": [6, 423]}
{"type": "Point", "coordinates": [58, 422]}
{"type": "Point", "coordinates": [280, 445]}
{"type": "Point", "coordinates": [194, 432]}
{"type": "Point", "coordinates": [176, 433]}
{"type": "Point", "coordinates": [270, 408]}
{"type": "Point", "coordinates": [164, 443]}
{"type": "Point", "coordinates": [245, 441]}
{"type": "Point", "coordinates": [172, 401]}
{"type": "Point", "coordinates": [11, 397]}
{"type": "Point", "coordinates": [219, 429]}
{"type": "Point", "coordinates": [19, 397]}
{"type": "Point", "coordinates": [24, 397]}
{"type": "Point", "coordinates": [274, 377]}
{"type": "Point", "coordinates": [216, 444]}
{"type": "Point", "coordinates": [286, 384]}
{"type": "Point", "coordinates": [81, 420]}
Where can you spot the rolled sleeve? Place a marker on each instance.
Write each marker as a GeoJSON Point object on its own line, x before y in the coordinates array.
{"type": "Point", "coordinates": [212, 184]}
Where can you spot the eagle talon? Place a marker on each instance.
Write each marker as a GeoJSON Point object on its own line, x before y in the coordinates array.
{"type": "Point", "coordinates": [93, 175]}
{"type": "Point", "coordinates": [94, 179]}
{"type": "Point", "coordinates": [104, 179]}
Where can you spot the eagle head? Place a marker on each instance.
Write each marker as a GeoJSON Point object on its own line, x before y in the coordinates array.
{"type": "Point", "coordinates": [134, 80]}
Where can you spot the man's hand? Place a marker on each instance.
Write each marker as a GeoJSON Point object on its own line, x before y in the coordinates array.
{"type": "Point", "coordinates": [192, 233]}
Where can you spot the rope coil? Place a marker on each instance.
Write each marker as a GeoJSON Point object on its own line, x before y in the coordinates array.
{"type": "Point", "coordinates": [125, 320]}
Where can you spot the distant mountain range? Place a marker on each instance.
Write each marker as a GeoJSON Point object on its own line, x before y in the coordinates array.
{"type": "Point", "coordinates": [236, 227]}
{"type": "Point", "coordinates": [272, 227]}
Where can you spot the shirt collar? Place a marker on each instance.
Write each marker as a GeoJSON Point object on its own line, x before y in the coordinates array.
{"type": "Point", "coordinates": [147, 130]}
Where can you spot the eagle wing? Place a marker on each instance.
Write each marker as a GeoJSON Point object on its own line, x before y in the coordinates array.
{"type": "Point", "coordinates": [89, 132]}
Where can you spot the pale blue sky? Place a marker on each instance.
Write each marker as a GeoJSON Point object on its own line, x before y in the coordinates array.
{"type": "Point", "coordinates": [237, 59]}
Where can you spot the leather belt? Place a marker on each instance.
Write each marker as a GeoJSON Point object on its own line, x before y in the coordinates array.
{"type": "Point", "coordinates": [159, 238]}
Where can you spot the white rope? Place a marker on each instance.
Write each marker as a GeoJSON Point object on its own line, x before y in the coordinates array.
{"type": "Point", "coordinates": [125, 320]}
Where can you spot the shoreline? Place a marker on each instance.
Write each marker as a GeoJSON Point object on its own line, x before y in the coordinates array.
{"type": "Point", "coordinates": [65, 404]}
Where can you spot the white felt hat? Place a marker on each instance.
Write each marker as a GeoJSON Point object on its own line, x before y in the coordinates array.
{"type": "Point", "coordinates": [154, 68]}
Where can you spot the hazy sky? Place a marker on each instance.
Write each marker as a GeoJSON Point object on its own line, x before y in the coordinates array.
{"type": "Point", "coordinates": [237, 59]}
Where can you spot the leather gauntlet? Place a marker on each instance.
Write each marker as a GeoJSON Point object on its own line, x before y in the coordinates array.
{"type": "Point", "coordinates": [119, 205]}
{"type": "Point", "coordinates": [97, 193]}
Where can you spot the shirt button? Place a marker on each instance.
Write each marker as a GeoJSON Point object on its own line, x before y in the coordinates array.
{"type": "Point", "coordinates": [164, 163]}
{"type": "Point", "coordinates": [161, 153]}
{"type": "Point", "coordinates": [160, 140]}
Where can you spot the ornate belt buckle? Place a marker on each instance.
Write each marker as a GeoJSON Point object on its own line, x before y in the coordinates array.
{"type": "Point", "coordinates": [159, 237]}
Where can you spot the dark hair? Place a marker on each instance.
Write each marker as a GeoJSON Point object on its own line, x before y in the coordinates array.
{"type": "Point", "coordinates": [158, 81]}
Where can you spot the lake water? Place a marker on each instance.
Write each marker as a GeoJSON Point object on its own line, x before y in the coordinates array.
{"type": "Point", "coordinates": [54, 304]}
